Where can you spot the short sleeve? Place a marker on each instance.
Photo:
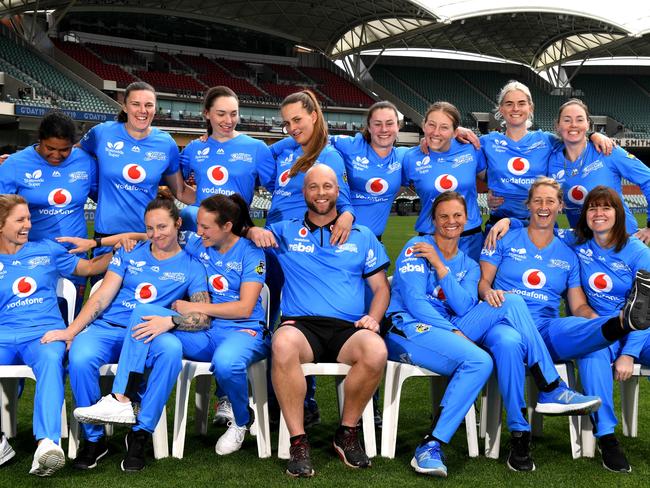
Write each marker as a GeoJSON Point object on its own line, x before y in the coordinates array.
{"type": "Point", "coordinates": [198, 278]}
{"type": "Point", "coordinates": [174, 158]}
{"type": "Point", "coordinates": [254, 268]}
{"type": "Point", "coordinates": [574, 273]}
{"type": "Point", "coordinates": [65, 262]}
{"type": "Point", "coordinates": [89, 141]}
{"type": "Point", "coordinates": [493, 256]}
{"type": "Point", "coordinates": [8, 177]}
{"type": "Point", "coordinates": [376, 257]}
{"type": "Point", "coordinates": [118, 263]}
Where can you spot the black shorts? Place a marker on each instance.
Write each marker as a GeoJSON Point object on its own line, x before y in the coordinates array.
{"type": "Point", "coordinates": [325, 335]}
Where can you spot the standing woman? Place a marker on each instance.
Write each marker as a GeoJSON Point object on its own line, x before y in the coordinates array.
{"type": "Point", "coordinates": [447, 166]}
{"type": "Point", "coordinates": [29, 271]}
{"type": "Point", "coordinates": [228, 161]}
{"type": "Point", "coordinates": [132, 158]}
{"type": "Point", "coordinates": [56, 179]}
{"type": "Point", "coordinates": [579, 167]}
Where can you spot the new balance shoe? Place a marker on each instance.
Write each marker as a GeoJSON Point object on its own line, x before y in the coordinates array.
{"type": "Point", "coordinates": [6, 452]}
{"type": "Point", "coordinates": [347, 445]}
{"type": "Point", "coordinates": [224, 414]}
{"type": "Point", "coordinates": [90, 454]}
{"type": "Point", "coordinates": [519, 458]}
{"type": "Point", "coordinates": [613, 456]}
{"type": "Point", "coordinates": [136, 442]}
{"type": "Point", "coordinates": [562, 400]}
{"type": "Point", "coordinates": [48, 458]}
{"type": "Point", "coordinates": [231, 440]}
{"type": "Point", "coordinates": [636, 311]}
{"type": "Point", "coordinates": [107, 410]}
{"type": "Point", "coordinates": [299, 465]}
{"type": "Point", "coordinates": [428, 459]}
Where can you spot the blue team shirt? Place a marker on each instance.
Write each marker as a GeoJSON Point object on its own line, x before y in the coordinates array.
{"type": "Point", "coordinates": [233, 166]}
{"type": "Point", "coordinates": [28, 286]}
{"type": "Point", "coordinates": [288, 201]}
{"type": "Point", "coordinates": [592, 169]}
{"type": "Point", "coordinates": [321, 280]}
{"type": "Point", "coordinates": [374, 181]}
{"type": "Point", "coordinates": [417, 290]}
{"type": "Point", "coordinates": [540, 276]}
{"type": "Point", "coordinates": [243, 263]}
{"type": "Point", "coordinates": [512, 166]}
{"type": "Point", "coordinates": [435, 173]}
{"type": "Point", "coordinates": [129, 172]}
{"type": "Point", "coordinates": [56, 194]}
{"type": "Point", "coordinates": [146, 279]}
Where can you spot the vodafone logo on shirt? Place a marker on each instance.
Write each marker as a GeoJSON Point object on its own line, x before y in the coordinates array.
{"type": "Point", "coordinates": [303, 232]}
{"type": "Point", "coordinates": [445, 183]}
{"type": "Point", "coordinates": [577, 194]}
{"type": "Point", "coordinates": [439, 293]}
{"type": "Point", "coordinates": [600, 282]}
{"type": "Point", "coordinates": [219, 283]}
{"type": "Point", "coordinates": [24, 286]}
{"type": "Point", "coordinates": [218, 175]}
{"type": "Point", "coordinates": [59, 197]}
{"type": "Point", "coordinates": [146, 292]}
{"type": "Point", "coordinates": [534, 278]}
{"type": "Point", "coordinates": [284, 178]}
{"type": "Point", "coordinates": [134, 173]}
{"type": "Point", "coordinates": [376, 186]}
{"type": "Point", "coordinates": [518, 166]}
{"type": "Point", "coordinates": [408, 252]}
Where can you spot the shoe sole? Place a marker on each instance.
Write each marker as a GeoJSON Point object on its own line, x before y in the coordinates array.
{"type": "Point", "coordinates": [105, 420]}
{"type": "Point", "coordinates": [641, 288]}
{"type": "Point", "coordinates": [7, 456]}
{"type": "Point", "coordinates": [129, 470]}
{"type": "Point", "coordinates": [575, 409]}
{"type": "Point", "coordinates": [519, 470]}
{"type": "Point", "coordinates": [91, 466]}
{"type": "Point", "coordinates": [341, 454]}
{"type": "Point", "coordinates": [438, 472]}
{"type": "Point", "coordinates": [49, 463]}
{"type": "Point", "coordinates": [219, 420]}
{"type": "Point", "coordinates": [301, 475]}
{"type": "Point", "coordinates": [628, 470]}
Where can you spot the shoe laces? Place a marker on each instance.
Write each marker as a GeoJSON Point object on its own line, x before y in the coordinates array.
{"type": "Point", "coordinates": [299, 449]}
{"type": "Point", "coordinates": [521, 446]}
{"type": "Point", "coordinates": [350, 439]}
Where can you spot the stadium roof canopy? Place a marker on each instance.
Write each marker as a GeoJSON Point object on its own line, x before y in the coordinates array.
{"type": "Point", "coordinates": [539, 34]}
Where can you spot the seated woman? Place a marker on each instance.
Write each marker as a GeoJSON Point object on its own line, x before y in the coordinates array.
{"type": "Point", "coordinates": [29, 309]}
{"type": "Point", "coordinates": [436, 318]}
{"type": "Point", "coordinates": [157, 272]}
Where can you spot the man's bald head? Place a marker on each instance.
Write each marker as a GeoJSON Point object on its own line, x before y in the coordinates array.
{"type": "Point", "coordinates": [321, 190]}
{"type": "Point", "coordinates": [320, 173]}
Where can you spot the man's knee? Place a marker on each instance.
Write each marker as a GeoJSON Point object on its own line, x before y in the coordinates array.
{"type": "Point", "coordinates": [287, 344]}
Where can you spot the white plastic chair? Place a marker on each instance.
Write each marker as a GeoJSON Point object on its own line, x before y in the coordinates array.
{"type": "Point", "coordinates": [201, 371]}
{"type": "Point", "coordinates": [332, 369]}
{"type": "Point", "coordinates": [10, 375]}
{"type": "Point", "coordinates": [396, 374]}
{"type": "Point", "coordinates": [493, 404]}
{"type": "Point", "coordinates": [630, 401]}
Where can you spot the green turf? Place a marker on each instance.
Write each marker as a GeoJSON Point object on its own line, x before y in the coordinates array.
{"type": "Point", "coordinates": [202, 467]}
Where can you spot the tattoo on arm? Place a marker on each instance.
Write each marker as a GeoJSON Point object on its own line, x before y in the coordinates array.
{"type": "Point", "coordinates": [195, 320]}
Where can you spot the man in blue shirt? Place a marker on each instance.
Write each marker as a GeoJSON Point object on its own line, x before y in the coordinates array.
{"type": "Point", "coordinates": [323, 316]}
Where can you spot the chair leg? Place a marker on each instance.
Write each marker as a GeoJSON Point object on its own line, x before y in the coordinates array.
{"type": "Point", "coordinates": [392, 396]}
{"type": "Point", "coordinates": [568, 375]}
{"type": "Point", "coordinates": [8, 403]}
{"type": "Point", "coordinates": [369, 437]}
{"type": "Point", "coordinates": [535, 420]}
{"type": "Point", "coordinates": [64, 421]}
{"type": "Point", "coordinates": [159, 437]}
{"type": "Point", "coordinates": [73, 435]}
{"type": "Point", "coordinates": [202, 402]}
{"type": "Point", "coordinates": [493, 406]}
{"type": "Point", "coordinates": [630, 406]}
{"type": "Point", "coordinates": [472, 435]}
{"type": "Point", "coordinates": [180, 412]}
{"type": "Point", "coordinates": [257, 379]}
{"type": "Point", "coordinates": [283, 438]}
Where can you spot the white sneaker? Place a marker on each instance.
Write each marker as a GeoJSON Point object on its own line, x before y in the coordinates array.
{"type": "Point", "coordinates": [48, 458]}
{"type": "Point", "coordinates": [231, 440]}
{"type": "Point", "coordinates": [224, 414]}
{"type": "Point", "coordinates": [6, 452]}
{"type": "Point", "coordinates": [253, 428]}
{"type": "Point", "coordinates": [106, 411]}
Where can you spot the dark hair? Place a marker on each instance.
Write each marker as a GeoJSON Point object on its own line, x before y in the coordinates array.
{"type": "Point", "coordinates": [448, 109]}
{"type": "Point", "coordinates": [165, 201]}
{"type": "Point", "coordinates": [573, 101]}
{"type": "Point", "coordinates": [319, 138]}
{"type": "Point", "coordinates": [365, 132]}
{"type": "Point", "coordinates": [211, 95]}
{"type": "Point", "coordinates": [603, 195]}
{"type": "Point", "coordinates": [135, 86]}
{"type": "Point", "coordinates": [231, 208]}
{"type": "Point", "coordinates": [7, 203]}
{"type": "Point", "coordinates": [447, 196]}
{"type": "Point", "coordinates": [59, 125]}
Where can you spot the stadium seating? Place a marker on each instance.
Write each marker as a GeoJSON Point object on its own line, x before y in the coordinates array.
{"type": "Point", "coordinates": [341, 91]}
{"type": "Point", "coordinates": [171, 82]}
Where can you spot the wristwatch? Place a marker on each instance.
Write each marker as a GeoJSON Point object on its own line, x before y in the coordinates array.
{"type": "Point", "coordinates": [98, 241]}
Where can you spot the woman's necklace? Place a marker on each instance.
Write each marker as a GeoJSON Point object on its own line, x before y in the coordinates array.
{"type": "Point", "coordinates": [572, 168]}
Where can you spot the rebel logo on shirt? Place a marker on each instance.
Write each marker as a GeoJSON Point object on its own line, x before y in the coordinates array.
{"type": "Point", "coordinates": [146, 292]}
{"type": "Point", "coordinates": [445, 183]}
{"type": "Point", "coordinates": [284, 178]}
{"type": "Point", "coordinates": [219, 283]}
{"type": "Point", "coordinates": [59, 197]}
{"type": "Point", "coordinates": [600, 282]}
{"type": "Point", "coordinates": [303, 232]}
{"type": "Point", "coordinates": [217, 174]}
{"type": "Point", "coordinates": [518, 166]}
{"type": "Point", "coordinates": [577, 194]}
{"type": "Point", "coordinates": [376, 186]}
{"type": "Point", "coordinates": [134, 173]}
{"type": "Point", "coordinates": [534, 278]}
{"type": "Point", "coordinates": [439, 293]}
{"type": "Point", "coordinates": [24, 286]}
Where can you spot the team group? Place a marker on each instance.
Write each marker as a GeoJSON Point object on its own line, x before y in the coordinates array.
{"type": "Point", "coordinates": [463, 302]}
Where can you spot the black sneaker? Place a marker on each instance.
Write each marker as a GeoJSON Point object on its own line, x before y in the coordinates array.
{"type": "Point", "coordinates": [613, 456]}
{"type": "Point", "coordinates": [90, 454]}
{"type": "Point", "coordinates": [347, 446]}
{"type": "Point", "coordinates": [299, 465]}
{"type": "Point", "coordinates": [311, 417]}
{"type": "Point", "coordinates": [636, 311]}
{"type": "Point", "coordinates": [377, 414]}
{"type": "Point", "coordinates": [519, 458]}
{"type": "Point", "coordinates": [136, 442]}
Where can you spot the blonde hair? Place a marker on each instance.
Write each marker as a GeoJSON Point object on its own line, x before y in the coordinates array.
{"type": "Point", "coordinates": [545, 180]}
{"type": "Point", "coordinates": [7, 203]}
{"type": "Point", "coordinates": [514, 85]}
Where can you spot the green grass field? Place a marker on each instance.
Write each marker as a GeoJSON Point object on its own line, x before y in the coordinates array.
{"type": "Point", "coordinates": [202, 467]}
